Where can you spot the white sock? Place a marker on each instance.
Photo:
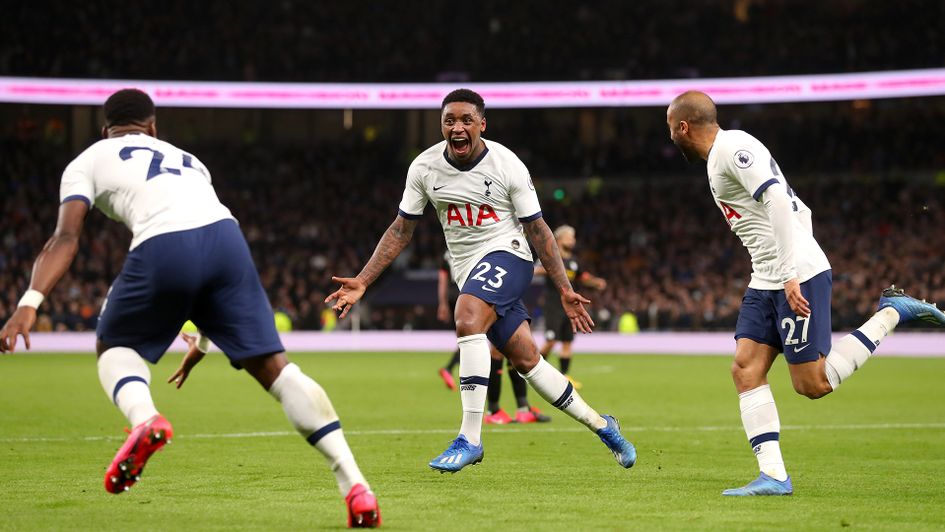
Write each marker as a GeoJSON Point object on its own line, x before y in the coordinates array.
{"type": "Point", "coordinates": [125, 377]}
{"type": "Point", "coordinates": [763, 428]}
{"type": "Point", "coordinates": [474, 364]}
{"type": "Point", "coordinates": [853, 350]}
{"type": "Point", "coordinates": [311, 413]}
{"type": "Point", "coordinates": [554, 387]}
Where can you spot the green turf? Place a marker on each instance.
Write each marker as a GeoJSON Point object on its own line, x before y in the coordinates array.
{"type": "Point", "coordinates": [870, 457]}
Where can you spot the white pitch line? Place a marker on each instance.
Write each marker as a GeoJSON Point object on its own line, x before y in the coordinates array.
{"type": "Point", "coordinates": [499, 430]}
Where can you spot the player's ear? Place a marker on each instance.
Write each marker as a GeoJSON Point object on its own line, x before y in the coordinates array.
{"type": "Point", "coordinates": [152, 128]}
{"type": "Point", "coordinates": [482, 125]}
{"type": "Point", "coordinates": [104, 132]}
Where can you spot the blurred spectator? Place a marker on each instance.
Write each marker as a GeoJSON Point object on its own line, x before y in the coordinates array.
{"type": "Point", "coordinates": [309, 212]}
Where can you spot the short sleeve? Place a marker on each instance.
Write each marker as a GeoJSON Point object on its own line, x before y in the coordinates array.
{"type": "Point", "coordinates": [77, 182]}
{"type": "Point", "coordinates": [751, 164]}
{"type": "Point", "coordinates": [524, 197]}
{"type": "Point", "coordinates": [415, 197]}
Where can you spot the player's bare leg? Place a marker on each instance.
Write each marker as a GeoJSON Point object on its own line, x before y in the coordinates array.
{"type": "Point", "coordinates": [554, 387]}
{"type": "Point", "coordinates": [473, 318]}
{"type": "Point", "coordinates": [547, 348]}
{"type": "Point", "coordinates": [126, 379]}
{"type": "Point", "coordinates": [810, 378]}
{"type": "Point", "coordinates": [760, 419]}
{"type": "Point", "coordinates": [311, 413]}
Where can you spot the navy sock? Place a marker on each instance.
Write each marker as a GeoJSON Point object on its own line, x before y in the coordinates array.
{"type": "Point", "coordinates": [565, 365]}
{"type": "Point", "coordinates": [495, 385]}
{"type": "Point", "coordinates": [453, 362]}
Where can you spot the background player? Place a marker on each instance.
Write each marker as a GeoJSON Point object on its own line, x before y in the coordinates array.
{"type": "Point", "coordinates": [447, 294]}
{"type": "Point", "coordinates": [786, 307]}
{"type": "Point", "coordinates": [557, 325]}
{"type": "Point", "coordinates": [188, 260]}
{"type": "Point", "coordinates": [486, 203]}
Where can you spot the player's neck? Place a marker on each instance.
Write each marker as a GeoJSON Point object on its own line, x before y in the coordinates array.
{"type": "Point", "coordinates": [566, 254]}
{"type": "Point", "coordinates": [705, 146]}
{"type": "Point", "coordinates": [121, 131]}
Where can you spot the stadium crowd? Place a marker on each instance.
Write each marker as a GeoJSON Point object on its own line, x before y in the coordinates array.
{"type": "Point", "coordinates": [315, 210]}
{"type": "Point", "coordinates": [433, 41]}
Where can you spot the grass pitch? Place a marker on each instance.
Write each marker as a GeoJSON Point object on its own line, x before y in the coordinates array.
{"type": "Point", "coordinates": [872, 456]}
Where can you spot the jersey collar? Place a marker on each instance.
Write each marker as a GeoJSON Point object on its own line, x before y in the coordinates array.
{"type": "Point", "coordinates": [472, 164]}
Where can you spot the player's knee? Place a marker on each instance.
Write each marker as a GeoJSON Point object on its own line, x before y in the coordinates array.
{"type": "Point", "coordinates": [739, 370]}
{"type": "Point", "coordinates": [467, 326]}
{"type": "Point", "coordinates": [525, 362]}
{"type": "Point", "coordinates": [812, 390]}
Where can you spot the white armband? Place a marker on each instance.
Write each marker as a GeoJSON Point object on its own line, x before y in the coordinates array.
{"type": "Point", "coordinates": [203, 343]}
{"type": "Point", "coordinates": [32, 298]}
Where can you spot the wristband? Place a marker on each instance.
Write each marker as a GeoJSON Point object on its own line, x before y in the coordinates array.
{"type": "Point", "coordinates": [203, 344]}
{"type": "Point", "coordinates": [32, 298]}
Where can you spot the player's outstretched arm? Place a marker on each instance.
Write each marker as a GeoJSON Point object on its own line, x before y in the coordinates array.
{"type": "Point", "coordinates": [53, 261]}
{"type": "Point", "coordinates": [543, 240]}
{"type": "Point", "coordinates": [394, 241]}
{"type": "Point", "coordinates": [593, 281]}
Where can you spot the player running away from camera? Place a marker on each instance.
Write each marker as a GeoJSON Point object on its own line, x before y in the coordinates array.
{"type": "Point", "coordinates": [188, 260]}
{"type": "Point", "coordinates": [786, 307]}
{"type": "Point", "coordinates": [557, 325]}
{"type": "Point", "coordinates": [486, 203]}
{"type": "Point", "coordinates": [447, 293]}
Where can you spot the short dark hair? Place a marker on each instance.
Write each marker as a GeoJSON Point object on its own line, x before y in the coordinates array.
{"type": "Point", "coordinates": [128, 106]}
{"type": "Point", "coordinates": [468, 96]}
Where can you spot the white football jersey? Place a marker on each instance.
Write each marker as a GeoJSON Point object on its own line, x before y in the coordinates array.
{"type": "Point", "coordinates": [740, 170]}
{"type": "Point", "coordinates": [147, 184]}
{"type": "Point", "coordinates": [480, 206]}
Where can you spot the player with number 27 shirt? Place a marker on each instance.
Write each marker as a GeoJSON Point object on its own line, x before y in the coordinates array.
{"type": "Point", "coordinates": [487, 205]}
{"type": "Point", "coordinates": [787, 305]}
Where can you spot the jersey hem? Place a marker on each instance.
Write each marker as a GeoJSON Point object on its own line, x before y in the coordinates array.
{"type": "Point", "coordinates": [140, 239]}
{"type": "Point", "coordinates": [767, 285]}
{"type": "Point", "coordinates": [74, 197]}
{"type": "Point", "coordinates": [531, 218]}
{"type": "Point", "coordinates": [764, 186]}
{"type": "Point", "coordinates": [407, 215]}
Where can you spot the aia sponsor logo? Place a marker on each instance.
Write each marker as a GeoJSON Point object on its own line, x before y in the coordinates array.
{"type": "Point", "coordinates": [730, 214]}
{"type": "Point", "coordinates": [467, 214]}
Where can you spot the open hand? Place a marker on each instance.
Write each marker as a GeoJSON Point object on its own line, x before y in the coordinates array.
{"type": "Point", "coordinates": [792, 292]}
{"type": "Point", "coordinates": [350, 293]}
{"type": "Point", "coordinates": [573, 304]}
{"type": "Point", "coordinates": [191, 359]}
{"type": "Point", "coordinates": [19, 324]}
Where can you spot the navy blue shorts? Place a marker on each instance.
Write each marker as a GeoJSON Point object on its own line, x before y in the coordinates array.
{"type": "Point", "coordinates": [766, 317]}
{"type": "Point", "coordinates": [501, 278]}
{"type": "Point", "coordinates": [206, 275]}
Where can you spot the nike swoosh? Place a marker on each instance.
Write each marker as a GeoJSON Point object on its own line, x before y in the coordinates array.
{"type": "Point", "coordinates": [486, 288]}
{"type": "Point", "coordinates": [435, 188]}
{"type": "Point", "coordinates": [799, 349]}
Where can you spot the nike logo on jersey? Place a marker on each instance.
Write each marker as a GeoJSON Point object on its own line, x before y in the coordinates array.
{"type": "Point", "coordinates": [435, 188]}
{"type": "Point", "coordinates": [799, 349]}
{"type": "Point", "coordinates": [487, 289]}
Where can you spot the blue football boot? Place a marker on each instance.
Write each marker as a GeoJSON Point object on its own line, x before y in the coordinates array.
{"type": "Point", "coordinates": [458, 455]}
{"type": "Point", "coordinates": [763, 485]}
{"type": "Point", "coordinates": [910, 308]}
{"type": "Point", "coordinates": [623, 450]}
